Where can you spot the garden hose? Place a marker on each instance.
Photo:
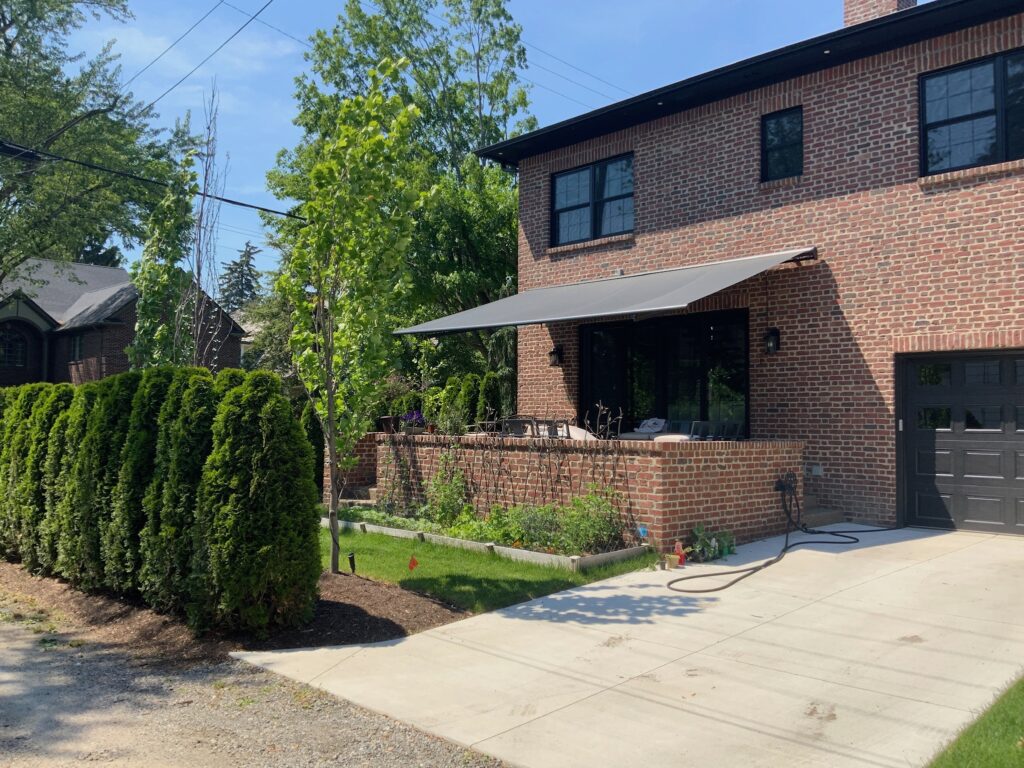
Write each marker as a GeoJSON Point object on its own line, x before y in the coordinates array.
{"type": "Point", "coordinates": [786, 486]}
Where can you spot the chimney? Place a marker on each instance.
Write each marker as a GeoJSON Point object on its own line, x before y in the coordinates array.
{"type": "Point", "coordinates": [859, 11]}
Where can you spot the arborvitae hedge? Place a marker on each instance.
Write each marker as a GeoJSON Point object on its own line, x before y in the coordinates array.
{"type": "Point", "coordinates": [14, 462]}
{"type": "Point", "coordinates": [315, 434]}
{"type": "Point", "coordinates": [121, 560]}
{"type": "Point", "coordinates": [182, 444]}
{"type": "Point", "coordinates": [488, 406]}
{"type": "Point", "coordinates": [77, 468]}
{"type": "Point", "coordinates": [95, 474]}
{"type": "Point", "coordinates": [29, 494]}
{"type": "Point", "coordinates": [258, 497]}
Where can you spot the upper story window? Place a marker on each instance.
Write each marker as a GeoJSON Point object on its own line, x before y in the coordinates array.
{"type": "Point", "coordinates": [782, 144]}
{"type": "Point", "coordinates": [973, 115]}
{"type": "Point", "coordinates": [13, 348]}
{"type": "Point", "coordinates": [591, 202]}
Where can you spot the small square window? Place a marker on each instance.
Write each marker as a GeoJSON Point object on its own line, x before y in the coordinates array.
{"type": "Point", "coordinates": [934, 417]}
{"type": "Point", "coordinates": [987, 417]}
{"type": "Point", "coordinates": [782, 144]}
{"type": "Point", "coordinates": [934, 374]}
{"type": "Point", "coordinates": [591, 202]}
{"type": "Point", "coordinates": [982, 372]}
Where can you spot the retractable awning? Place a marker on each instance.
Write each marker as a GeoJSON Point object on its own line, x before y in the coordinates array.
{"type": "Point", "coordinates": [643, 294]}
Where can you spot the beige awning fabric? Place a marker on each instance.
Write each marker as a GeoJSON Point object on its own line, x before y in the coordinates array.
{"type": "Point", "coordinates": [631, 295]}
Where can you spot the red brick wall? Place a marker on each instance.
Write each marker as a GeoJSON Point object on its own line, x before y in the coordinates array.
{"type": "Point", "coordinates": [363, 474]}
{"type": "Point", "coordinates": [669, 487]}
{"type": "Point", "coordinates": [906, 262]}
{"type": "Point", "coordinates": [857, 11]}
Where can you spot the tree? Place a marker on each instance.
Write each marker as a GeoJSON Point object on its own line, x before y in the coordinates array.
{"type": "Point", "coordinates": [348, 267]}
{"type": "Point", "coordinates": [240, 280]}
{"type": "Point", "coordinates": [462, 77]}
{"type": "Point", "coordinates": [163, 327]}
{"type": "Point", "coordinates": [257, 511]}
{"type": "Point", "coordinates": [54, 100]}
{"type": "Point", "coordinates": [269, 321]}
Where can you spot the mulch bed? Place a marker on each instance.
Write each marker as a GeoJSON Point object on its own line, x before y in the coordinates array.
{"type": "Point", "coordinates": [351, 610]}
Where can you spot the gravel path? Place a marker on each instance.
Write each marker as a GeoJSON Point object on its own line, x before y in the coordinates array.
{"type": "Point", "coordinates": [65, 700]}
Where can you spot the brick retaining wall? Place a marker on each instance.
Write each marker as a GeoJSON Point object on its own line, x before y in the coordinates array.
{"type": "Point", "coordinates": [669, 487]}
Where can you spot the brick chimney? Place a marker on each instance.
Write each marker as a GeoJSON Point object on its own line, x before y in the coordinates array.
{"type": "Point", "coordinates": [858, 11]}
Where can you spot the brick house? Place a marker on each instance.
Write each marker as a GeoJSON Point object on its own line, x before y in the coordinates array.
{"type": "Point", "coordinates": [73, 323]}
{"type": "Point", "coordinates": [823, 245]}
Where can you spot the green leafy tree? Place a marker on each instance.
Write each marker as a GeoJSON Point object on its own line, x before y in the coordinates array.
{"type": "Point", "coordinates": [315, 434]}
{"type": "Point", "coordinates": [240, 280]}
{"type": "Point", "coordinates": [258, 503]}
{"type": "Point", "coordinates": [464, 56]}
{"type": "Point", "coordinates": [164, 311]}
{"type": "Point", "coordinates": [29, 494]}
{"type": "Point", "coordinates": [120, 537]}
{"type": "Point", "coordinates": [54, 99]}
{"type": "Point", "coordinates": [347, 268]}
{"type": "Point", "coordinates": [269, 321]}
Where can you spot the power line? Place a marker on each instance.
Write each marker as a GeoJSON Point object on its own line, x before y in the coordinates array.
{"type": "Point", "coordinates": [12, 150]}
{"type": "Point", "coordinates": [578, 69]}
{"type": "Point", "coordinates": [574, 82]}
{"type": "Point", "coordinates": [168, 48]}
{"type": "Point", "coordinates": [216, 50]}
{"type": "Point", "coordinates": [269, 25]}
{"type": "Point", "coordinates": [557, 93]}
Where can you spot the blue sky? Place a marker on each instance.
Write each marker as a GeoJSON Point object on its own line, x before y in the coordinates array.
{"type": "Point", "coordinates": [636, 46]}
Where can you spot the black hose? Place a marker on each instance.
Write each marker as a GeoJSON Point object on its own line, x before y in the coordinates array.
{"type": "Point", "coordinates": [786, 486]}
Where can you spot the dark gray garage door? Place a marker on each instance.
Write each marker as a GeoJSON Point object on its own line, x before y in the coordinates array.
{"type": "Point", "coordinates": [963, 436]}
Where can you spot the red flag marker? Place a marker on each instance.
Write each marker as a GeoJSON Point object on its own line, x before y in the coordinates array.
{"type": "Point", "coordinates": [413, 562]}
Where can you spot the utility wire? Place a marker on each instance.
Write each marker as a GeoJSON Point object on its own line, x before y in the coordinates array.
{"type": "Point", "coordinates": [216, 50]}
{"type": "Point", "coordinates": [168, 48]}
{"type": "Point", "coordinates": [574, 82]}
{"type": "Point", "coordinates": [578, 69]}
{"type": "Point", "coordinates": [268, 25]}
{"type": "Point", "coordinates": [557, 93]}
{"type": "Point", "coordinates": [12, 150]}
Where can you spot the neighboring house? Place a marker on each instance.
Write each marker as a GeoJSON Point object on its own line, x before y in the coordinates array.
{"type": "Point", "coordinates": [73, 322]}
{"type": "Point", "coordinates": [824, 244]}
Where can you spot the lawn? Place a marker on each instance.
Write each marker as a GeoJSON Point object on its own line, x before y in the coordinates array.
{"type": "Point", "coordinates": [995, 740]}
{"type": "Point", "coordinates": [473, 581]}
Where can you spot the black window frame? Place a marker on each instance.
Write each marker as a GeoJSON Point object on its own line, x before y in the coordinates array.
{"type": "Point", "coordinates": [21, 361]}
{"type": "Point", "coordinates": [764, 143]}
{"type": "Point", "coordinates": [1000, 63]}
{"type": "Point", "coordinates": [594, 204]}
{"type": "Point", "coordinates": [738, 317]}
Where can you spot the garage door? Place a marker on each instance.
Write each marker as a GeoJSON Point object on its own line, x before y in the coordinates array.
{"type": "Point", "coordinates": [963, 437]}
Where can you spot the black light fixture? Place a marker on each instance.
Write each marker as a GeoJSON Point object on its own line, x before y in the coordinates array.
{"type": "Point", "coordinates": [555, 356]}
{"type": "Point", "coordinates": [772, 341]}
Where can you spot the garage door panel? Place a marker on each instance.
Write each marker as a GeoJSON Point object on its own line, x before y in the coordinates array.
{"type": "Point", "coordinates": [984, 510]}
{"type": "Point", "coordinates": [964, 441]}
{"type": "Point", "coordinates": [935, 508]}
{"type": "Point", "coordinates": [983, 464]}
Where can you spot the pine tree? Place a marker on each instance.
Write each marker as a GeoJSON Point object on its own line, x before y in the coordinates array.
{"type": "Point", "coordinates": [240, 280]}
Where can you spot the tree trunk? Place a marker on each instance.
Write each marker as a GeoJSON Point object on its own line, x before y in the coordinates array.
{"type": "Point", "coordinates": [332, 510]}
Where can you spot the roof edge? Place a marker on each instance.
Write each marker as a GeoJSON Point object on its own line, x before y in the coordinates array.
{"type": "Point", "coordinates": [847, 44]}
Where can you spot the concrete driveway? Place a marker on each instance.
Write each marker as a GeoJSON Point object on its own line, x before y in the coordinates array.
{"type": "Point", "coordinates": [869, 655]}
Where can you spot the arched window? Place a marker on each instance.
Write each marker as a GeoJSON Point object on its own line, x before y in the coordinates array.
{"type": "Point", "coordinates": [13, 348]}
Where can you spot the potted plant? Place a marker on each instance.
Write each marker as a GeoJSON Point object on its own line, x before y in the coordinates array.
{"type": "Point", "coordinates": [413, 423]}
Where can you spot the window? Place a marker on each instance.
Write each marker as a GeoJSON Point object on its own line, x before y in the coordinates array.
{"type": "Point", "coordinates": [592, 202]}
{"type": "Point", "coordinates": [13, 348]}
{"type": "Point", "coordinates": [782, 144]}
{"type": "Point", "coordinates": [76, 347]}
{"type": "Point", "coordinates": [685, 368]}
{"type": "Point", "coordinates": [973, 115]}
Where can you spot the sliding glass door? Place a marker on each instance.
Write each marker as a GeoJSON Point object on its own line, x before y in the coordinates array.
{"type": "Point", "coordinates": [683, 368]}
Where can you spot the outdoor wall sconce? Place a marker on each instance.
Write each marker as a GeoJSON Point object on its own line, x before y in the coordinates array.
{"type": "Point", "coordinates": [772, 341]}
{"type": "Point", "coordinates": [555, 356]}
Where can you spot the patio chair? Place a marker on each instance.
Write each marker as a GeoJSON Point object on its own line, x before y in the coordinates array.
{"type": "Point", "coordinates": [518, 426]}
{"type": "Point", "coordinates": [695, 430]}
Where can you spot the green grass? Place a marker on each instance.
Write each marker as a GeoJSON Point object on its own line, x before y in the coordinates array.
{"type": "Point", "coordinates": [995, 740]}
{"type": "Point", "coordinates": [474, 581]}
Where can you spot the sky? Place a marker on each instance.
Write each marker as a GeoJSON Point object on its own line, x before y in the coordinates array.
{"type": "Point", "coordinates": [582, 54]}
